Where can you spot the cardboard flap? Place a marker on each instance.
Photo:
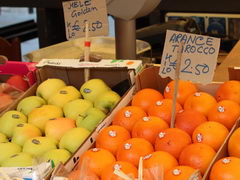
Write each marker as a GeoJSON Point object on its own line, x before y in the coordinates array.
{"type": "Point", "coordinates": [233, 59]}
{"type": "Point", "coordinates": [234, 73]}
{"type": "Point", "coordinates": [149, 78]}
{"type": "Point", "coordinates": [104, 63]}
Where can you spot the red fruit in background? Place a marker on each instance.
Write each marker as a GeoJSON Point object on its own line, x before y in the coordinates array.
{"type": "Point", "coordinates": [18, 82]}
{"type": "Point", "coordinates": [5, 100]}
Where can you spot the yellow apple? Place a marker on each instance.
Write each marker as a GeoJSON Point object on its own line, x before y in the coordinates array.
{"type": "Point", "coordinates": [76, 107]}
{"type": "Point", "coordinates": [93, 88]}
{"type": "Point", "coordinates": [9, 120]}
{"type": "Point", "coordinates": [21, 159]}
{"type": "Point", "coordinates": [23, 132]}
{"type": "Point", "coordinates": [56, 128]}
{"type": "Point", "coordinates": [90, 119]}
{"type": "Point", "coordinates": [40, 116]}
{"type": "Point", "coordinates": [7, 150]}
{"type": "Point", "coordinates": [37, 146]}
{"type": "Point", "coordinates": [73, 139]}
{"type": "Point", "coordinates": [48, 87]}
{"type": "Point", "coordinates": [107, 101]}
{"type": "Point", "coordinates": [27, 104]}
{"type": "Point", "coordinates": [3, 138]}
{"type": "Point", "coordinates": [64, 95]}
{"type": "Point", "coordinates": [57, 156]}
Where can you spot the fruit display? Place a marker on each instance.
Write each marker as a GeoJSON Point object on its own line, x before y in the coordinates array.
{"type": "Point", "coordinates": [141, 129]}
{"type": "Point", "coordinates": [53, 124]}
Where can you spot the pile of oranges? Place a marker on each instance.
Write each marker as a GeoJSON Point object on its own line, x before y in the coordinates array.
{"type": "Point", "coordinates": [142, 130]}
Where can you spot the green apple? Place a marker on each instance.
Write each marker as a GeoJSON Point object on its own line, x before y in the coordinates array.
{"type": "Point", "coordinates": [23, 132]}
{"type": "Point", "coordinates": [64, 95]}
{"type": "Point", "coordinates": [49, 87]}
{"type": "Point", "coordinates": [93, 88]}
{"type": "Point", "coordinates": [107, 101]}
{"type": "Point", "coordinates": [9, 120]}
{"type": "Point", "coordinates": [21, 159]}
{"type": "Point", "coordinates": [27, 104]}
{"type": "Point", "coordinates": [57, 156]}
{"type": "Point", "coordinates": [3, 138]}
{"type": "Point", "coordinates": [40, 116]}
{"type": "Point", "coordinates": [73, 139]}
{"type": "Point", "coordinates": [37, 146]}
{"type": "Point", "coordinates": [7, 150]}
{"type": "Point", "coordinates": [90, 119]}
{"type": "Point", "coordinates": [73, 108]}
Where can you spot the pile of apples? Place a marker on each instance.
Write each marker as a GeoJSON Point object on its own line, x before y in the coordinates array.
{"type": "Point", "coordinates": [54, 123]}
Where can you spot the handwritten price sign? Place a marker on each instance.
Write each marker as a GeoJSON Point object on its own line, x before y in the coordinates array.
{"type": "Point", "coordinates": [77, 12]}
{"type": "Point", "coordinates": [198, 56]}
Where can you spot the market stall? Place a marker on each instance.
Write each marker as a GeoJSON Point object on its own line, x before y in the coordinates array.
{"type": "Point", "coordinates": [89, 110]}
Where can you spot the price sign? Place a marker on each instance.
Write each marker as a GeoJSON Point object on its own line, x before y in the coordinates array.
{"type": "Point", "coordinates": [198, 56]}
{"type": "Point", "coordinates": [77, 12]}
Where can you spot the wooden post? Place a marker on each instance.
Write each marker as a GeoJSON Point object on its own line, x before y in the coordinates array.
{"type": "Point", "coordinates": [176, 83]}
{"type": "Point", "coordinates": [86, 51]}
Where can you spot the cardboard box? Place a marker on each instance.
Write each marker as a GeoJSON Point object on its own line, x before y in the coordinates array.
{"type": "Point", "coordinates": [149, 78]}
{"type": "Point", "coordinates": [120, 79]}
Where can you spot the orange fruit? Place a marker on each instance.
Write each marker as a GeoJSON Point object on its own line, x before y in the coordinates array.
{"type": "Point", "coordinates": [77, 174]}
{"type": "Point", "coordinates": [226, 169]}
{"type": "Point", "coordinates": [56, 128]}
{"type": "Point", "coordinates": [225, 112]}
{"type": "Point", "coordinates": [210, 133]}
{"type": "Point", "coordinates": [197, 155]}
{"type": "Point", "coordinates": [229, 90]}
{"type": "Point", "coordinates": [159, 158]}
{"type": "Point", "coordinates": [111, 137]}
{"type": "Point", "coordinates": [96, 160]}
{"type": "Point", "coordinates": [233, 144]}
{"type": "Point", "coordinates": [188, 120]}
{"type": "Point", "coordinates": [128, 116]}
{"type": "Point", "coordinates": [180, 173]}
{"type": "Point", "coordinates": [185, 89]}
{"type": "Point", "coordinates": [163, 109]}
{"type": "Point", "coordinates": [132, 149]}
{"type": "Point", "coordinates": [146, 97]}
{"type": "Point", "coordinates": [149, 128]}
{"type": "Point", "coordinates": [172, 140]}
{"type": "Point", "coordinates": [126, 167]}
{"type": "Point", "coordinates": [5, 100]}
{"type": "Point", "coordinates": [201, 102]}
